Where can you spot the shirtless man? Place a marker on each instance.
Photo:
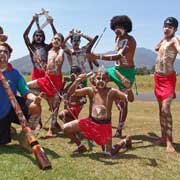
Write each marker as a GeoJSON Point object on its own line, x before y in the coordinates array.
{"type": "Point", "coordinates": [165, 79]}
{"type": "Point", "coordinates": [77, 55]}
{"type": "Point", "coordinates": [51, 83]}
{"type": "Point", "coordinates": [124, 57]}
{"type": "Point", "coordinates": [97, 126]}
{"type": "Point", "coordinates": [38, 49]}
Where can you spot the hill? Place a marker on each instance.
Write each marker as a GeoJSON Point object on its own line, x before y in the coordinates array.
{"type": "Point", "coordinates": [143, 57]}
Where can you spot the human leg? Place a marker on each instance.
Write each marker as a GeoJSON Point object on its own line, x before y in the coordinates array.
{"type": "Point", "coordinates": [33, 85]}
{"type": "Point", "coordinates": [123, 110]}
{"type": "Point", "coordinates": [54, 103]}
{"type": "Point", "coordinates": [168, 117]}
{"type": "Point", "coordinates": [162, 118]}
{"type": "Point", "coordinates": [112, 150]}
{"type": "Point", "coordinates": [70, 129]}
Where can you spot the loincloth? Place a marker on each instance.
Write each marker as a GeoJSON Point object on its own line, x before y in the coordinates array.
{"type": "Point", "coordinates": [50, 84]}
{"type": "Point", "coordinates": [37, 73]}
{"type": "Point", "coordinates": [128, 72]}
{"type": "Point", "coordinates": [164, 86]}
{"type": "Point", "coordinates": [98, 131]}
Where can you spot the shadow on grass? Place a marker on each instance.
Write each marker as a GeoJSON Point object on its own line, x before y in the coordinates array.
{"type": "Point", "coordinates": [149, 137]}
{"type": "Point", "coordinates": [177, 147]}
{"type": "Point", "coordinates": [17, 149]}
{"type": "Point", "coordinates": [111, 160]}
{"type": "Point", "coordinates": [139, 139]}
{"type": "Point", "coordinates": [58, 135]}
{"type": "Point", "coordinates": [152, 137]}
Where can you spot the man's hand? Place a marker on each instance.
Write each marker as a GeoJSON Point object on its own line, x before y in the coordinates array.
{"type": "Point", "coordinates": [78, 32]}
{"type": "Point", "coordinates": [123, 79]}
{"type": "Point", "coordinates": [50, 19]}
{"type": "Point", "coordinates": [71, 32]}
{"type": "Point", "coordinates": [81, 77]}
{"type": "Point", "coordinates": [35, 17]}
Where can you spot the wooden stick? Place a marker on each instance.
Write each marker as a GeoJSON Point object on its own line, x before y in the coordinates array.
{"type": "Point", "coordinates": [38, 151]}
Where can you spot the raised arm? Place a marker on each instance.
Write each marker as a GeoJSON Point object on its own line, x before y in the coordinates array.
{"type": "Point", "coordinates": [80, 92]}
{"type": "Point", "coordinates": [50, 20]}
{"type": "Point", "coordinates": [68, 36]}
{"type": "Point", "coordinates": [84, 35]}
{"type": "Point", "coordinates": [27, 31]}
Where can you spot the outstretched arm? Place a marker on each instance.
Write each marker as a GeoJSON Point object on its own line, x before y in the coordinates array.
{"type": "Point", "coordinates": [109, 57]}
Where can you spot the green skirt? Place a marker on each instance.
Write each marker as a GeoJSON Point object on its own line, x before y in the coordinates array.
{"type": "Point", "coordinates": [128, 72]}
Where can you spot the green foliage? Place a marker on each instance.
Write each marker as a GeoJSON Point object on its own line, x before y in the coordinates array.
{"type": "Point", "coordinates": [144, 70]}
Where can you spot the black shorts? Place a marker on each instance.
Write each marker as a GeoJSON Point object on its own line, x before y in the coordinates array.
{"type": "Point", "coordinates": [5, 123]}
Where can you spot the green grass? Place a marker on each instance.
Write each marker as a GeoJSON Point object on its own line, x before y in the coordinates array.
{"type": "Point", "coordinates": [146, 83]}
{"type": "Point", "coordinates": [143, 161]}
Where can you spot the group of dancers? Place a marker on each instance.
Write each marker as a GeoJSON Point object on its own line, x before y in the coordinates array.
{"type": "Point", "coordinates": [49, 83]}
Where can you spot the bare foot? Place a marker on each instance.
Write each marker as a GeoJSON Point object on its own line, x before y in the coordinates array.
{"type": "Point", "coordinates": [128, 142]}
{"type": "Point", "coordinates": [38, 127]}
{"type": "Point", "coordinates": [160, 141]}
{"type": "Point", "coordinates": [53, 131]}
{"type": "Point", "coordinates": [81, 149]}
{"type": "Point", "coordinates": [170, 148]}
{"type": "Point", "coordinates": [50, 134]}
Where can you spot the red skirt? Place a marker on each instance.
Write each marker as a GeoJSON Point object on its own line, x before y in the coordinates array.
{"type": "Point", "coordinates": [50, 84]}
{"type": "Point", "coordinates": [37, 73]}
{"type": "Point", "coordinates": [100, 133]}
{"type": "Point", "coordinates": [76, 109]}
{"type": "Point", "coordinates": [164, 86]}
{"type": "Point", "coordinates": [73, 110]}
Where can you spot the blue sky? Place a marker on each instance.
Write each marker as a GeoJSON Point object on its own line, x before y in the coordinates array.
{"type": "Point", "coordinates": [91, 16]}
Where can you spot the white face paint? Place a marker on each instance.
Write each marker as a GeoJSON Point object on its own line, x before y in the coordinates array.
{"type": "Point", "coordinates": [100, 82]}
{"type": "Point", "coordinates": [120, 31]}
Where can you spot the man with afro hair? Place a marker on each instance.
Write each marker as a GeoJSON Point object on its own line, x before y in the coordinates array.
{"type": "Point", "coordinates": [123, 72]}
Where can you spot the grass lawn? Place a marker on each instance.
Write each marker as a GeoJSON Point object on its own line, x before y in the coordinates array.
{"type": "Point", "coordinates": [143, 161]}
